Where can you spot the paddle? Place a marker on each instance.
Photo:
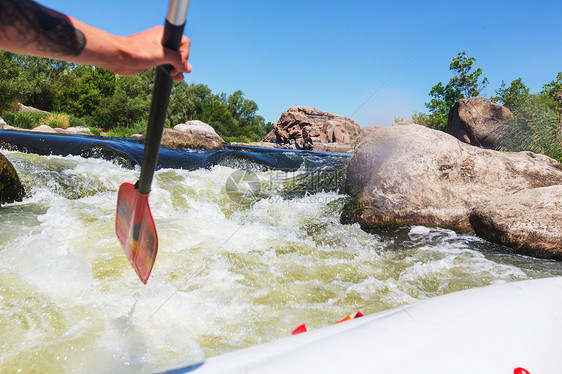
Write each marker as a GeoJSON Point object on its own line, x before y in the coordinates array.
{"type": "Point", "coordinates": [134, 224]}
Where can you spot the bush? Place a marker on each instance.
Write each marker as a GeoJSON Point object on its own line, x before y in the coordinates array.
{"type": "Point", "coordinates": [95, 131]}
{"type": "Point", "coordinates": [420, 118]}
{"type": "Point", "coordinates": [56, 120]}
{"type": "Point", "coordinates": [30, 120]}
{"type": "Point", "coordinates": [75, 122]}
{"type": "Point", "coordinates": [24, 120]}
{"type": "Point", "coordinates": [127, 131]}
{"type": "Point", "coordinates": [536, 127]}
{"type": "Point", "coordinates": [235, 139]}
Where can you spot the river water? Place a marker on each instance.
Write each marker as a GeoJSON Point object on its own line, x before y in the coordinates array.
{"type": "Point", "coordinates": [230, 272]}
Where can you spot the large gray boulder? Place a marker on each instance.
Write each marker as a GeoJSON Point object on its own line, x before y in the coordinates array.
{"type": "Point", "coordinates": [478, 121]}
{"type": "Point", "coordinates": [304, 127]}
{"type": "Point", "coordinates": [530, 221]}
{"type": "Point", "coordinates": [366, 131]}
{"type": "Point", "coordinates": [199, 128]}
{"type": "Point", "coordinates": [414, 175]}
{"type": "Point", "coordinates": [11, 188]}
{"type": "Point", "coordinates": [194, 134]}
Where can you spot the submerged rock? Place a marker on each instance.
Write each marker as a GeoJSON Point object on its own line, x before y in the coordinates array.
{"type": "Point", "coordinates": [529, 221]}
{"type": "Point", "coordinates": [319, 147]}
{"type": "Point", "coordinates": [11, 188]}
{"type": "Point", "coordinates": [414, 175]}
{"type": "Point", "coordinates": [478, 121]}
{"type": "Point", "coordinates": [258, 144]}
{"type": "Point", "coordinates": [330, 147]}
{"type": "Point", "coordinates": [305, 127]}
{"type": "Point", "coordinates": [108, 153]}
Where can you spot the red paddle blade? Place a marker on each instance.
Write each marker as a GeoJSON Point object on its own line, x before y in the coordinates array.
{"type": "Point", "coordinates": [135, 230]}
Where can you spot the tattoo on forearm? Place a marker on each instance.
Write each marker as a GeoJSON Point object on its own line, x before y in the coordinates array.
{"type": "Point", "coordinates": [33, 24]}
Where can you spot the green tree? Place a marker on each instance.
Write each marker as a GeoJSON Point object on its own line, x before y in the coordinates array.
{"type": "Point", "coordinates": [216, 113]}
{"type": "Point", "coordinates": [129, 104]}
{"type": "Point", "coordinates": [9, 71]}
{"type": "Point", "coordinates": [39, 80]}
{"type": "Point", "coordinates": [514, 96]}
{"type": "Point", "coordinates": [98, 97]}
{"type": "Point", "coordinates": [267, 127]}
{"type": "Point", "coordinates": [82, 89]}
{"type": "Point", "coordinates": [419, 118]}
{"type": "Point", "coordinates": [233, 117]}
{"type": "Point", "coordinates": [536, 125]}
{"type": "Point", "coordinates": [186, 102]}
{"type": "Point", "coordinates": [554, 88]}
{"type": "Point", "coordinates": [553, 91]}
{"type": "Point", "coordinates": [465, 83]}
{"type": "Point", "coordinates": [250, 125]}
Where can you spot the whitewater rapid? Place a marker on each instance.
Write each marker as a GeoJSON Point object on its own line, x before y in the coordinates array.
{"type": "Point", "coordinates": [227, 275]}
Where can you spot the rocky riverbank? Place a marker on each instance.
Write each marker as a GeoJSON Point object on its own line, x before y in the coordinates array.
{"type": "Point", "coordinates": [412, 175]}
{"type": "Point", "coordinates": [299, 128]}
{"type": "Point", "coordinates": [305, 128]}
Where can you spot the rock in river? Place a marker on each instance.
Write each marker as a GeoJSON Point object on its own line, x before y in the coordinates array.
{"type": "Point", "coordinates": [199, 128]}
{"type": "Point", "coordinates": [10, 186]}
{"type": "Point", "coordinates": [414, 175]}
{"type": "Point", "coordinates": [193, 134]}
{"type": "Point", "coordinates": [530, 221]}
{"type": "Point", "coordinates": [306, 128]}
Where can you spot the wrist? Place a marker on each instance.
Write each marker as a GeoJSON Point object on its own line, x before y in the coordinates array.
{"type": "Point", "coordinates": [102, 49]}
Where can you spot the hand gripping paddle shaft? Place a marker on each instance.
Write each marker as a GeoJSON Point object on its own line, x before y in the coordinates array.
{"type": "Point", "coordinates": [134, 224]}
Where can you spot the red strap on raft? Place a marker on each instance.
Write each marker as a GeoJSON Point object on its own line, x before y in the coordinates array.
{"type": "Point", "coordinates": [299, 330]}
{"type": "Point", "coordinates": [351, 316]}
{"type": "Point", "coordinates": [302, 328]}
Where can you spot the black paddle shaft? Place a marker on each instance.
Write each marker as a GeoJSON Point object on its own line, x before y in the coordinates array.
{"type": "Point", "coordinates": [161, 95]}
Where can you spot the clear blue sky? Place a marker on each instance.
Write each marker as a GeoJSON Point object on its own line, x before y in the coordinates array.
{"type": "Point", "coordinates": [333, 55]}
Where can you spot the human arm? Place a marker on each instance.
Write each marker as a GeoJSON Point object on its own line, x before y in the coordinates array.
{"type": "Point", "coordinates": [29, 28]}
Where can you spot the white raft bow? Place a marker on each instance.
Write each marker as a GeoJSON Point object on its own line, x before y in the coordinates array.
{"type": "Point", "coordinates": [513, 328]}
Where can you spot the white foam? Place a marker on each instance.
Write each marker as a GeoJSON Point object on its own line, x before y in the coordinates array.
{"type": "Point", "coordinates": [419, 230]}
